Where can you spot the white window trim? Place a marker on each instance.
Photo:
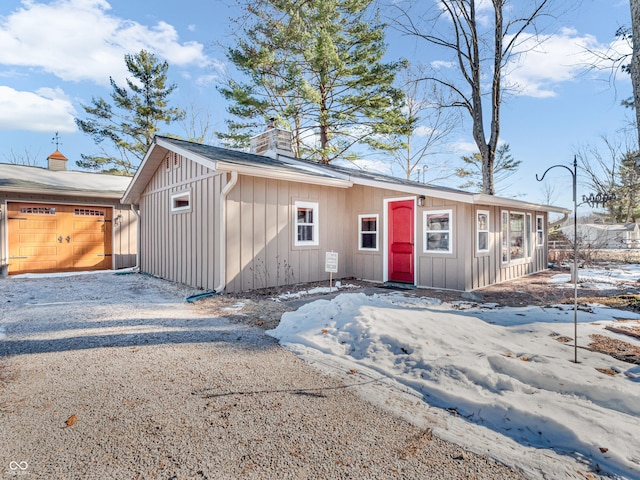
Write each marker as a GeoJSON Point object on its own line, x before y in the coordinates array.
{"type": "Point", "coordinates": [541, 218]}
{"type": "Point", "coordinates": [425, 213]}
{"type": "Point", "coordinates": [504, 236]}
{"type": "Point", "coordinates": [487, 230]}
{"type": "Point", "coordinates": [377, 232]}
{"type": "Point", "coordinates": [180, 196]}
{"type": "Point", "coordinates": [316, 240]}
{"type": "Point", "coordinates": [525, 257]}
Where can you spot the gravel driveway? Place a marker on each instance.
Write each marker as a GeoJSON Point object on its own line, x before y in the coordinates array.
{"type": "Point", "coordinates": [116, 376]}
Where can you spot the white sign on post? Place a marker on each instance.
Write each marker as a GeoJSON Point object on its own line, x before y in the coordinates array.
{"type": "Point", "coordinates": [331, 262]}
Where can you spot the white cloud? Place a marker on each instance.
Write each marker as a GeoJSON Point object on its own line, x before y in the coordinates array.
{"type": "Point", "coordinates": [85, 42]}
{"type": "Point", "coordinates": [438, 64]}
{"type": "Point", "coordinates": [559, 58]}
{"type": "Point", "coordinates": [45, 110]}
{"type": "Point", "coordinates": [423, 131]}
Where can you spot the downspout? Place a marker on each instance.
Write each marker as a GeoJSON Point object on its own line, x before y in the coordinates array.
{"type": "Point", "coordinates": [222, 237]}
{"type": "Point", "coordinates": [138, 239]}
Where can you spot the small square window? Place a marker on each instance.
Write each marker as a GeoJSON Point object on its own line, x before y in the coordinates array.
{"type": "Point", "coordinates": [181, 202]}
{"type": "Point", "coordinates": [306, 219]}
{"type": "Point", "coordinates": [368, 232]}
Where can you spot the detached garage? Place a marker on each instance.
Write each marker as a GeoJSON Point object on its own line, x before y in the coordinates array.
{"type": "Point", "coordinates": [54, 220]}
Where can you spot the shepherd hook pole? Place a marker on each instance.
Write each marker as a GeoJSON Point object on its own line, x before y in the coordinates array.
{"type": "Point", "coordinates": [574, 174]}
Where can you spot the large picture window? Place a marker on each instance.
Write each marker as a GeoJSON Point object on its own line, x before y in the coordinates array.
{"type": "Point", "coordinates": [306, 232]}
{"type": "Point", "coordinates": [482, 231]}
{"type": "Point", "coordinates": [515, 233]}
{"type": "Point", "coordinates": [437, 231]}
{"type": "Point", "coordinates": [368, 232]}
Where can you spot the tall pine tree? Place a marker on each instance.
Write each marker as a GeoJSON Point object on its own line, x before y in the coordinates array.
{"type": "Point", "coordinates": [131, 122]}
{"type": "Point", "coordinates": [316, 67]}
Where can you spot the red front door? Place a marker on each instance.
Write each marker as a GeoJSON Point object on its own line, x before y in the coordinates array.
{"type": "Point", "coordinates": [401, 238]}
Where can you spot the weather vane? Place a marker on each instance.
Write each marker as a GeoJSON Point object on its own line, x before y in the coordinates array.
{"type": "Point", "coordinates": [56, 140]}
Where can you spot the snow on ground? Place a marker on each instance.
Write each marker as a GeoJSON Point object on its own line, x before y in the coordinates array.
{"type": "Point", "coordinates": [500, 381]}
{"type": "Point", "coordinates": [313, 291]}
{"type": "Point", "coordinates": [600, 278]}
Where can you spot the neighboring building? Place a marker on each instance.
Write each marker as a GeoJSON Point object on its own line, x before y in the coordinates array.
{"type": "Point", "coordinates": [605, 236]}
{"type": "Point", "coordinates": [54, 220]}
{"type": "Point", "coordinates": [220, 219]}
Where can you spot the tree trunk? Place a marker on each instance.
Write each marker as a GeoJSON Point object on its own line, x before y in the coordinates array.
{"type": "Point", "coordinates": [635, 63]}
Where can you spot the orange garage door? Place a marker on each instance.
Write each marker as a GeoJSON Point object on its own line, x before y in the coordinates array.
{"type": "Point", "coordinates": [58, 238]}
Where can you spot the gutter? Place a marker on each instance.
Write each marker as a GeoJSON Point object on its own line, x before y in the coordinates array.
{"type": "Point", "coordinates": [138, 239]}
{"type": "Point", "coordinates": [222, 237]}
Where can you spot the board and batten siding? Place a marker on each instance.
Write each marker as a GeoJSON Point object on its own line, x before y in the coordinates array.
{"type": "Point", "coordinates": [444, 270]}
{"type": "Point", "coordinates": [182, 246]}
{"type": "Point", "coordinates": [487, 268]}
{"type": "Point", "coordinates": [260, 227]}
{"type": "Point", "coordinates": [124, 240]}
{"type": "Point", "coordinates": [433, 270]}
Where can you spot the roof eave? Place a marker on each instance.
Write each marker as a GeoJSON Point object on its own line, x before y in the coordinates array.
{"type": "Point", "coordinates": [279, 174]}
{"type": "Point", "coordinates": [79, 193]}
{"type": "Point", "coordinates": [481, 198]}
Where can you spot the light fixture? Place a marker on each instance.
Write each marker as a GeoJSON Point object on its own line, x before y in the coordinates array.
{"type": "Point", "coordinates": [421, 199]}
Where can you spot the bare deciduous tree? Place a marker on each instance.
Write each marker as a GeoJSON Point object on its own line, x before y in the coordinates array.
{"type": "Point", "coordinates": [27, 158]}
{"type": "Point", "coordinates": [483, 38]}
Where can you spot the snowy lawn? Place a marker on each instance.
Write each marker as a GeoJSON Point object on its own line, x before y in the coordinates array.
{"type": "Point", "coordinates": [499, 378]}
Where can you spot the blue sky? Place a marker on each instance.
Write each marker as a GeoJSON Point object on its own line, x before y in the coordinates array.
{"type": "Point", "coordinates": [55, 55]}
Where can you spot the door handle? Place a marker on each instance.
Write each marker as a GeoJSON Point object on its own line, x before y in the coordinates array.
{"type": "Point", "coordinates": [60, 239]}
{"type": "Point", "coordinates": [68, 238]}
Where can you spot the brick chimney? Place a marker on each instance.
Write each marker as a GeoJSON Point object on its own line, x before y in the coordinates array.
{"type": "Point", "coordinates": [57, 161]}
{"type": "Point", "coordinates": [272, 142]}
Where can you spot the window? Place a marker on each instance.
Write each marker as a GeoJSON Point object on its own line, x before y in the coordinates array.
{"type": "Point", "coordinates": [38, 210]}
{"type": "Point", "coordinates": [505, 237]}
{"type": "Point", "coordinates": [482, 228]}
{"type": "Point", "coordinates": [306, 232]}
{"type": "Point", "coordinates": [515, 236]}
{"type": "Point", "coordinates": [181, 202]}
{"type": "Point", "coordinates": [88, 212]}
{"type": "Point", "coordinates": [437, 231]}
{"type": "Point", "coordinates": [368, 232]}
{"type": "Point", "coordinates": [528, 238]}
{"type": "Point", "coordinates": [539, 230]}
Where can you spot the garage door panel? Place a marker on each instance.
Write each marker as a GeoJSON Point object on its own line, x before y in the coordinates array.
{"type": "Point", "coordinates": [38, 224]}
{"type": "Point", "coordinates": [90, 226]}
{"type": "Point", "coordinates": [27, 251]}
{"type": "Point", "coordinates": [42, 265]}
{"type": "Point", "coordinates": [27, 238]}
{"type": "Point", "coordinates": [88, 263]}
{"type": "Point", "coordinates": [79, 250]}
{"type": "Point", "coordinates": [91, 238]}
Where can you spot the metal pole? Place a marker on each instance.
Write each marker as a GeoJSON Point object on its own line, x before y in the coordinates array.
{"type": "Point", "coordinates": [574, 174]}
{"type": "Point", "coordinates": [575, 262]}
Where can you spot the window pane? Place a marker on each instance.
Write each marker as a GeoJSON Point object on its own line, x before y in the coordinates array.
{"type": "Point", "coordinates": [438, 221]}
{"type": "Point", "coordinates": [305, 215]}
{"type": "Point", "coordinates": [369, 224]}
{"type": "Point", "coordinates": [305, 233]}
{"type": "Point", "coordinates": [438, 241]}
{"type": "Point", "coordinates": [483, 221]}
{"type": "Point", "coordinates": [369, 240]}
{"type": "Point", "coordinates": [505, 239]}
{"type": "Point", "coordinates": [483, 240]}
{"type": "Point", "coordinates": [516, 236]}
